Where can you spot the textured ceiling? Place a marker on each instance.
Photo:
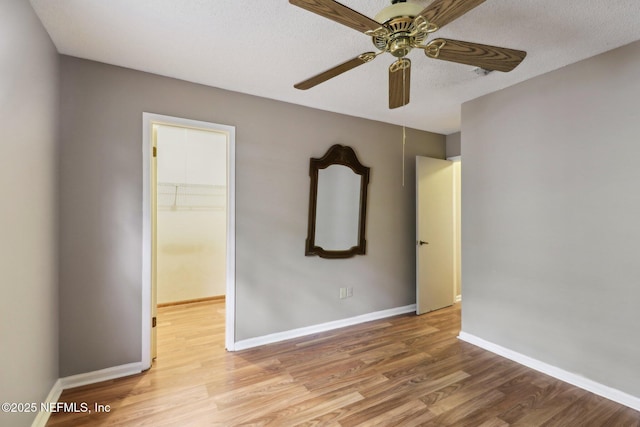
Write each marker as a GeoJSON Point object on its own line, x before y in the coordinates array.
{"type": "Point", "coordinates": [263, 47]}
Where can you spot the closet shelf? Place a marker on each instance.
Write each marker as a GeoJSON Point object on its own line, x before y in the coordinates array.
{"type": "Point", "coordinates": [182, 196]}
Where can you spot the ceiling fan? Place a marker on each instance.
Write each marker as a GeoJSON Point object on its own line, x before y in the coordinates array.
{"type": "Point", "coordinates": [401, 27]}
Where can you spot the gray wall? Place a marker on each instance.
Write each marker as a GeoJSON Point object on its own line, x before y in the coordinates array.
{"type": "Point", "coordinates": [551, 208]}
{"type": "Point", "coordinates": [28, 213]}
{"type": "Point", "coordinates": [278, 288]}
{"type": "Point", "coordinates": [454, 144]}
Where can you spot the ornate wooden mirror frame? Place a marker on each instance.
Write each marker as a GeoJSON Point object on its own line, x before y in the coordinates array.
{"type": "Point", "coordinates": [345, 156]}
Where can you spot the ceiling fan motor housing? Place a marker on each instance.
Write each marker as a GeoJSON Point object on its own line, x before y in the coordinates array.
{"type": "Point", "coordinates": [400, 46]}
{"type": "Point", "coordinates": [402, 35]}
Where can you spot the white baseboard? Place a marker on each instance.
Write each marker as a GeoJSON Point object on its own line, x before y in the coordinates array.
{"type": "Point", "coordinates": [83, 379]}
{"type": "Point", "coordinates": [568, 377]}
{"type": "Point", "coordinates": [101, 375]}
{"type": "Point", "coordinates": [53, 396]}
{"type": "Point", "coordinates": [322, 327]}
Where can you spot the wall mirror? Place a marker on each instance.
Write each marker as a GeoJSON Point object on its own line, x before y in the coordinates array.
{"type": "Point", "coordinates": [337, 204]}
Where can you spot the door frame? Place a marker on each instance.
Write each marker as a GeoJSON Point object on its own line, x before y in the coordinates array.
{"type": "Point", "coordinates": [148, 120]}
{"type": "Point", "coordinates": [457, 232]}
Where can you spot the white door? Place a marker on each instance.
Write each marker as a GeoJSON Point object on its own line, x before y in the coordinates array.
{"type": "Point", "coordinates": [434, 234]}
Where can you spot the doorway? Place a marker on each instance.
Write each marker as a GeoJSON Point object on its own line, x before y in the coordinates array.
{"type": "Point", "coordinates": [180, 191]}
{"type": "Point", "coordinates": [191, 184]}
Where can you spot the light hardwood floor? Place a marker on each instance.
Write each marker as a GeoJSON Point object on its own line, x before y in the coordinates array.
{"type": "Point", "coordinates": [403, 371]}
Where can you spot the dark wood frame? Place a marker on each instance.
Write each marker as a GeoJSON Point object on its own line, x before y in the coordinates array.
{"type": "Point", "coordinates": [337, 155]}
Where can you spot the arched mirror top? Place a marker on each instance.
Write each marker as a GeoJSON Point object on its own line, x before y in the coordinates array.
{"type": "Point", "coordinates": [337, 204]}
{"type": "Point", "coordinates": [340, 155]}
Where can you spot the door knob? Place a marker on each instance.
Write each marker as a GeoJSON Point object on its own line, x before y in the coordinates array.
{"type": "Point", "coordinates": [422, 242]}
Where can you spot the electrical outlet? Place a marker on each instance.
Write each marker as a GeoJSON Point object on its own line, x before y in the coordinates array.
{"type": "Point", "coordinates": [343, 293]}
{"type": "Point", "coordinates": [349, 292]}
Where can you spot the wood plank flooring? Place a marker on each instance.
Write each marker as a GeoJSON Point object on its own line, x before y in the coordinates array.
{"type": "Point", "coordinates": [403, 371]}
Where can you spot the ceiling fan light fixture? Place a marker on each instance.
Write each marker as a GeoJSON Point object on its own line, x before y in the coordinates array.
{"type": "Point", "coordinates": [397, 10]}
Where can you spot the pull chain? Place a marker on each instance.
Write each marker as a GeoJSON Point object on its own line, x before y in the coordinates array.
{"type": "Point", "coordinates": [404, 140]}
{"type": "Point", "coordinates": [404, 133]}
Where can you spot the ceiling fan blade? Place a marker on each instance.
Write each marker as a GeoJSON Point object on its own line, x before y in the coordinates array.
{"type": "Point", "coordinates": [441, 12]}
{"type": "Point", "coordinates": [399, 83]}
{"type": "Point", "coordinates": [337, 12]}
{"type": "Point", "coordinates": [476, 54]}
{"type": "Point", "coordinates": [336, 71]}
